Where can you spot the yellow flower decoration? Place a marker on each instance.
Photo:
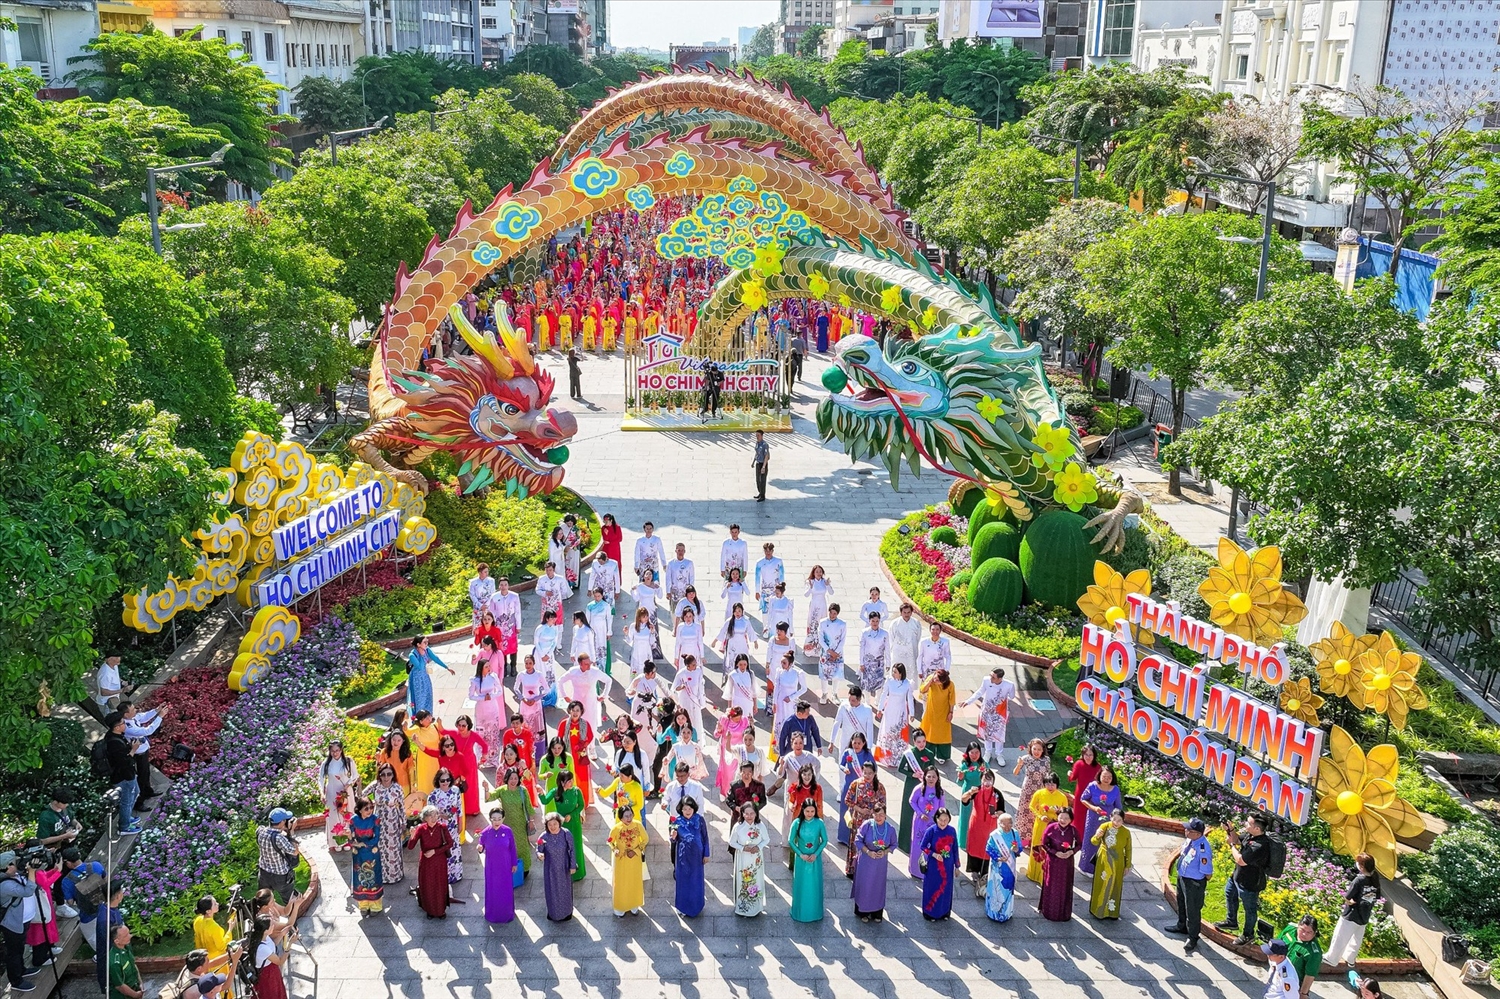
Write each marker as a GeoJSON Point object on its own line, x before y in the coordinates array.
{"type": "Point", "coordinates": [1298, 700]}
{"type": "Point", "coordinates": [930, 318]}
{"type": "Point", "coordinates": [990, 409]}
{"type": "Point", "coordinates": [753, 295]}
{"type": "Point", "coordinates": [1388, 677]}
{"type": "Point", "coordinates": [817, 284]}
{"type": "Point", "coordinates": [1357, 798]}
{"type": "Point", "coordinates": [1003, 496]}
{"type": "Point", "coordinates": [1104, 602]}
{"type": "Point", "coordinates": [890, 299]}
{"type": "Point", "coordinates": [1337, 657]}
{"type": "Point", "coordinates": [1074, 488]}
{"type": "Point", "coordinates": [768, 259]}
{"type": "Point", "coordinates": [1056, 444]}
{"type": "Point", "coordinates": [1245, 596]}
{"type": "Point", "coordinates": [845, 301]}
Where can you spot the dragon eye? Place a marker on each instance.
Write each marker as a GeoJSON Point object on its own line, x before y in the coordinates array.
{"type": "Point", "coordinates": [910, 368]}
{"type": "Point", "coordinates": [510, 409]}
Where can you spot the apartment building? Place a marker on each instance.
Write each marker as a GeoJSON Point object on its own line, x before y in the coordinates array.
{"type": "Point", "coordinates": [1053, 29]}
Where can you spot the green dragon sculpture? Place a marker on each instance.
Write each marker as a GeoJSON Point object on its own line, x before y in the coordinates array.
{"type": "Point", "coordinates": [676, 124]}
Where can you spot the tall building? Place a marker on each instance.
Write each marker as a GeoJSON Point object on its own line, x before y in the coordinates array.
{"type": "Point", "coordinates": [1053, 29]}
{"type": "Point", "coordinates": [596, 13]}
{"type": "Point", "coordinates": [852, 18]}
{"type": "Point", "coordinates": [322, 38]}
{"type": "Point", "coordinates": [496, 32]}
{"type": "Point", "coordinates": [796, 17]}
{"type": "Point", "coordinates": [450, 29]}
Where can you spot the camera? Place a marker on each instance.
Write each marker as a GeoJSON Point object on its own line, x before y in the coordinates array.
{"type": "Point", "coordinates": [37, 857]}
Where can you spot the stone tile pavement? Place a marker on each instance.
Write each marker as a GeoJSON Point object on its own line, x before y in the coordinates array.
{"type": "Point", "coordinates": [820, 509]}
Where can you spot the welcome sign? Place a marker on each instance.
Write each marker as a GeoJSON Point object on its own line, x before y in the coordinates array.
{"type": "Point", "coordinates": [1253, 749]}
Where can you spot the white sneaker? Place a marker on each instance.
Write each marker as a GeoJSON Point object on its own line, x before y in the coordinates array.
{"type": "Point", "coordinates": [67, 912]}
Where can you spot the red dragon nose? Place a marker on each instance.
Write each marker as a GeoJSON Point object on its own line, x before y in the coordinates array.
{"type": "Point", "coordinates": [559, 426]}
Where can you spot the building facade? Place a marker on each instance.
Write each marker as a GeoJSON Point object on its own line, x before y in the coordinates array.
{"type": "Point", "coordinates": [796, 17]}
{"type": "Point", "coordinates": [900, 32]}
{"type": "Point", "coordinates": [1056, 30]}
{"type": "Point", "coordinates": [852, 18]}
{"type": "Point", "coordinates": [47, 34]}
{"type": "Point", "coordinates": [322, 38]}
{"type": "Point", "coordinates": [596, 16]}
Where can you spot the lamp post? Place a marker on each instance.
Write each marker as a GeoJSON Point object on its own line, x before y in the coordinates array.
{"type": "Point", "coordinates": [1077, 145]}
{"type": "Point", "coordinates": [1197, 164]}
{"type": "Point", "coordinates": [364, 107]}
{"type": "Point", "coordinates": [334, 137]}
{"type": "Point", "coordinates": [999, 86]}
{"type": "Point", "coordinates": [153, 207]}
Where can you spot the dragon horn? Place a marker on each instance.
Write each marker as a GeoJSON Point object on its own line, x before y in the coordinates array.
{"type": "Point", "coordinates": [515, 344]}
{"type": "Point", "coordinates": [484, 346]}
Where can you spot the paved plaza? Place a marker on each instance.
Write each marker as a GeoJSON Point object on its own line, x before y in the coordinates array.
{"type": "Point", "coordinates": [820, 510]}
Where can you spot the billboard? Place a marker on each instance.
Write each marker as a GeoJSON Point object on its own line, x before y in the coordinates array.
{"type": "Point", "coordinates": [702, 56]}
{"type": "Point", "coordinates": [1005, 18]}
{"type": "Point", "coordinates": [561, 6]}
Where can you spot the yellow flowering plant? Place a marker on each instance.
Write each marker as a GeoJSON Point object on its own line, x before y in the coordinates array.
{"type": "Point", "coordinates": [1388, 677]}
{"type": "Point", "coordinates": [1357, 798]}
{"type": "Point", "coordinates": [1245, 596]}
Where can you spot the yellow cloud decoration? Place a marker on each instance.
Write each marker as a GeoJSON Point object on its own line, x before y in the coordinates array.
{"type": "Point", "coordinates": [1357, 798]}
{"type": "Point", "coordinates": [1104, 602]}
{"type": "Point", "coordinates": [417, 535]}
{"type": "Point", "coordinates": [1388, 678]}
{"type": "Point", "coordinates": [1298, 700]}
{"type": "Point", "coordinates": [1245, 596]}
{"type": "Point", "coordinates": [1337, 658]}
{"type": "Point", "coordinates": [273, 630]}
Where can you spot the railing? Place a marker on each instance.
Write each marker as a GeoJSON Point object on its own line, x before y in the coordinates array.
{"type": "Point", "coordinates": [1401, 601]}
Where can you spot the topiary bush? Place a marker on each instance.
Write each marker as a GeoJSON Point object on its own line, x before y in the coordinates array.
{"type": "Point", "coordinates": [996, 588]}
{"type": "Point", "coordinates": [959, 580]}
{"type": "Point", "coordinates": [995, 540]}
{"type": "Point", "coordinates": [983, 514]}
{"type": "Point", "coordinates": [963, 497]}
{"type": "Point", "coordinates": [943, 535]}
{"type": "Point", "coordinates": [1057, 559]}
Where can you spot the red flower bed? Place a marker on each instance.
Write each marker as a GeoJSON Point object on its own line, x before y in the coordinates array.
{"type": "Point", "coordinates": [197, 700]}
{"type": "Point", "coordinates": [940, 564]}
{"type": "Point", "coordinates": [938, 518]}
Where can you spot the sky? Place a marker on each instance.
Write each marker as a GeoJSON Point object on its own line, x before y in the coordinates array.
{"type": "Point", "coordinates": [658, 23]}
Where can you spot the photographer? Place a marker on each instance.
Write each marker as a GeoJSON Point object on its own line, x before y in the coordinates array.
{"type": "Point", "coordinates": [140, 726]}
{"type": "Point", "coordinates": [43, 870]}
{"type": "Point", "coordinates": [120, 753]}
{"type": "Point", "coordinates": [14, 891]}
{"type": "Point", "coordinates": [1251, 850]}
{"type": "Point", "coordinates": [278, 854]}
{"type": "Point", "coordinates": [57, 827]}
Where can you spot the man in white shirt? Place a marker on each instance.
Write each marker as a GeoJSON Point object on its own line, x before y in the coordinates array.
{"type": "Point", "coordinates": [1283, 982]}
{"type": "Point", "coordinates": [649, 553]}
{"type": "Point", "coordinates": [679, 576]}
{"type": "Point", "coordinates": [734, 553]}
{"type": "Point", "coordinates": [682, 787]}
{"type": "Point", "coordinates": [107, 686]}
{"type": "Point", "coordinates": [604, 575]}
{"type": "Point", "coordinates": [481, 588]}
{"type": "Point", "coordinates": [874, 606]}
{"type": "Point", "coordinates": [852, 717]}
{"type": "Point", "coordinates": [906, 636]}
{"type": "Point", "coordinates": [142, 725]}
{"type": "Point", "coordinates": [993, 697]}
{"type": "Point", "coordinates": [589, 687]}
{"type": "Point", "coordinates": [768, 572]}
{"type": "Point", "coordinates": [935, 653]}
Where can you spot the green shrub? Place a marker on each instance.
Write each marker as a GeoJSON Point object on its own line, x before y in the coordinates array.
{"type": "Point", "coordinates": [995, 540]}
{"type": "Point", "coordinates": [959, 580]}
{"type": "Point", "coordinates": [1135, 555]}
{"type": "Point", "coordinates": [983, 514]}
{"type": "Point", "coordinates": [1459, 875]}
{"type": "Point", "coordinates": [970, 500]}
{"type": "Point", "coordinates": [380, 673]}
{"type": "Point", "coordinates": [1112, 416]}
{"type": "Point", "coordinates": [1057, 560]}
{"type": "Point", "coordinates": [943, 535]}
{"type": "Point", "coordinates": [1178, 579]}
{"type": "Point", "coordinates": [1078, 404]}
{"type": "Point", "coordinates": [996, 587]}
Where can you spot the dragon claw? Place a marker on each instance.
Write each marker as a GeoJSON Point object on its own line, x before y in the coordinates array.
{"type": "Point", "coordinates": [1111, 524]}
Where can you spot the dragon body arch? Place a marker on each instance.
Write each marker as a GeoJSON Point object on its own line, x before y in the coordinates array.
{"type": "Point", "coordinates": [829, 149]}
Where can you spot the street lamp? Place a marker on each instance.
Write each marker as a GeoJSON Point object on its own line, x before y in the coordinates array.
{"type": "Point", "coordinates": [1194, 163]}
{"type": "Point", "coordinates": [1077, 145]}
{"type": "Point", "coordinates": [999, 87]}
{"type": "Point", "coordinates": [334, 137]}
{"type": "Point", "coordinates": [153, 207]}
{"type": "Point", "coordinates": [364, 108]}
{"type": "Point", "coordinates": [433, 116]}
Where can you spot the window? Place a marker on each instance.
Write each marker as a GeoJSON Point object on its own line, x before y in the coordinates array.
{"type": "Point", "coordinates": [179, 32]}
{"type": "Point", "coordinates": [320, 55]}
{"type": "Point", "coordinates": [291, 54]}
{"type": "Point", "coordinates": [33, 42]}
{"type": "Point", "coordinates": [306, 54]}
{"type": "Point", "coordinates": [247, 43]}
{"type": "Point", "coordinates": [1117, 37]}
{"type": "Point", "coordinates": [223, 35]}
{"type": "Point", "coordinates": [489, 22]}
{"type": "Point", "coordinates": [900, 11]}
{"type": "Point", "coordinates": [270, 40]}
{"type": "Point", "coordinates": [1242, 66]}
{"type": "Point", "coordinates": [347, 61]}
{"type": "Point", "coordinates": [1336, 65]}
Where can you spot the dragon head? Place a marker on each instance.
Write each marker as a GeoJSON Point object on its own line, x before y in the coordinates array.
{"type": "Point", "coordinates": [958, 398]}
{"type": "Point", "coordinates": [490, 410]}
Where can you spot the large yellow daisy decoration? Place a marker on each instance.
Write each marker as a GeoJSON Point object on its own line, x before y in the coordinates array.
{"type": "Point", "coordinates": [1298, 700]}
{"type": "Point", "coordinates": [890, 298]}
{"type": "Point", "coordinates": [1074, 488]}
{"type": "Point", "coordinates": [1357, 798]}
{"type": "Point", "coordinates": [1056, 444]}
{"type": "Point", "coordinates": [1337, 657]}
{"type": "Point", "coordinates": [1388, 677]}
{"type": "Point", "coordinates": [1104, 602]}
{"type": "Point", "coordinates": [753, 295]}
{"type": "Point", "coordinates": [930, 316]}
{"type": "Point", "coordinates": [1245, 596]}
{"type": "Point", "coordinates": [768, 259]}
{"type": "Point", "coordinates": [817, 284]}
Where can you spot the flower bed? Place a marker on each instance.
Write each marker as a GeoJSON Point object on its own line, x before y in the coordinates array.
{"type": "Point", "coordinates": [431, 592]}
{"type": "Point", "coordinates": [184, 853]}
{"type": "Point", "coordinates": [380, 672]}
{"type": "Point", "coordinates": [198, 700]}
{"type": "Point", "coordinates": [1459, 876]}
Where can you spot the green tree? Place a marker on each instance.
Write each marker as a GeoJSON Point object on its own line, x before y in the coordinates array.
{"type": "Point", "coordinates": [762, 45]}
{"type": "Point", "coordinates": [327, 105]}
{"type": "Point", "coordinates": [364, 220]}
{"type": "Point", "coordinates": [927, 159]}
{"type": "Point", "coordinates": [79, 164]}
{"type": "Point", "coordinates": [280, 332]}
{"type": "Point", "coordinates": [1149, 157]}
{"type": "Point", "coordinates": [534, 94]}
{"type": "Point", "coordinates": [556, 62]}
{"type": "Point", "coordinates": [97, 494]}
{"type": "Point", "coordinates": [1382, 459]}
{"type": "Point", "coordinates": [804, 77]}
{"type": "Point", "coordinates": [1172, 283]}
{"type": "Point", "coordinates": [1042, 263]}
{"type": "Point", "coordinates": [811, 40]}
{"type": "Point", "coordinates": [1469, 244]}
{"type": "Point", "coordinates": [498, 141]}
{"type": "Point", "coordinates": [1400, 150]}
{"type": "Point", "coordinates": [213, 83]}
{"type": "Point", "coordinates": [1096, 105]}
{"type": "Point", "coordinates": [878, 125]}
{"type": "Point", "coordinates": [987, 79]}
